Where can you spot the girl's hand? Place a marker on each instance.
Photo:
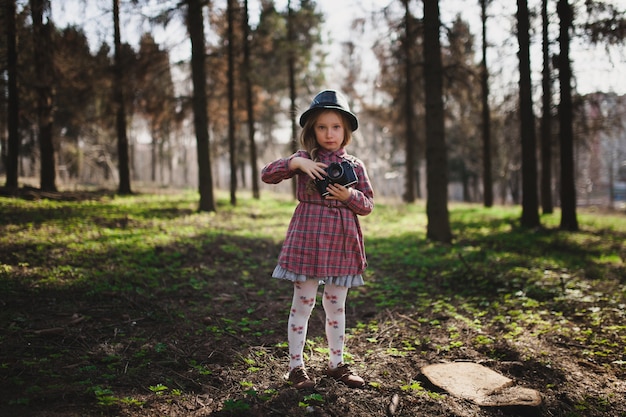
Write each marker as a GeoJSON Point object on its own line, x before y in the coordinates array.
{"type": "Point", "coordinates": [338, 192]}
{"type": "Point", "coordinates": [315, 170]}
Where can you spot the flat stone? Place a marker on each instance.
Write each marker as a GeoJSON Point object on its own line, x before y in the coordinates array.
{"type": "Point", "coordinates": [479, 384]}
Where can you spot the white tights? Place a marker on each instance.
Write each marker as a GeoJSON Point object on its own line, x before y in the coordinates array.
{"type": "Point", "coordinates": [334, 301]}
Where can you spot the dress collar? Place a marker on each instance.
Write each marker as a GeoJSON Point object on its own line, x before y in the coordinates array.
{"type": "Point", "coordinates": [340, 153]}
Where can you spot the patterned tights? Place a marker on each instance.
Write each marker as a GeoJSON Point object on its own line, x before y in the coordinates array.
{"type": "Point", "coordinates": [334, 302]}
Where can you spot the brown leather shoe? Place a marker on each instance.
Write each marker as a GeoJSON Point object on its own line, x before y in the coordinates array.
{"type": "Point", "coordinates": [299, 378]}
{"type": "Point", "coordinates": [344, 374]}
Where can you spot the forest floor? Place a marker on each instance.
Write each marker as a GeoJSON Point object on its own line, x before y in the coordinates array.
{"type": "Point", "coordinates": [190, 327]}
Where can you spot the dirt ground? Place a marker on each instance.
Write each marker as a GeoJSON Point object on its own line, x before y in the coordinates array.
{"type": "Point", "coordinates": [219, 350]}
{"type": "Point", "coordinates": [131, 343]}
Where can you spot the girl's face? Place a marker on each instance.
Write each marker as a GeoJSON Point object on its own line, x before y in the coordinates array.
{"type": "Point", "coordinates": [329, 130]}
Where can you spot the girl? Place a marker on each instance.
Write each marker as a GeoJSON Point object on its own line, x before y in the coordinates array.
{"type": "Point", "coordinates": [324, 242]}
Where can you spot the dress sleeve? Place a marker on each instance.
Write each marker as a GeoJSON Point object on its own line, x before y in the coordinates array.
{"type": "Point", "coordinates": [278, 170]}
{"type": "Point", "coordinates": [361, 200]}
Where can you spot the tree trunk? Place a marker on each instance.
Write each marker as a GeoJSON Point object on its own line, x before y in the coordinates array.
{"type": "Point", "coordinates": [232, 146]}
{"type": "Point", "coordinates": [118, 92]}
{"type": "Point", "coordinates": [153, 155]}
{"type": "Point", "coordinates": [569, 220]}
{"type": "Point", "coordinates": [291, 63]}
{"type": "Point", "coordinates": [13, 145]}
{"type": "Point", "coordinates": [409, 134]}
{"type": "Point", "coordinates": [43, 69]}
{"type": "Point", "coordinates": [250, 103]}
{"type": "Point", "coordinates": [486, 113]}
{"type": "Point", "coordinates": [530, 211]}
{"type": "Point", "coordinates": [546, 118]}
{"type": "Point", "coordinates": [195, 26]}
{"type": "Point", "coordinates": [436, 153]}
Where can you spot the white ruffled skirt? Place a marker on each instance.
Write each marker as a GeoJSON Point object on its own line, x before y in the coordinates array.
{"type": "Point", "coordinates": [343, 281]}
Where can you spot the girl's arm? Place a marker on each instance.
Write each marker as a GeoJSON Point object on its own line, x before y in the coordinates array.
{"type": "Point", "coordinates": [285, 168]}
{"type": "Point", "coordinates": [361, 200]}
{"type": "Point", "coordinates": [279, 170]}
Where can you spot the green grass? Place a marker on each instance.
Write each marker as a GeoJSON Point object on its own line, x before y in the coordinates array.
{"type": "Point", "coordinates": [151, 282]}
{"type": "Point", "coordinates": [499, 276]}
{"type": "Point", "coordinates": [126, 243]}
{"type": "Point", "coordinates": [54, 243]}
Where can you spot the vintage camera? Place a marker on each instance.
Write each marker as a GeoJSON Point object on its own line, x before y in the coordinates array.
{"type": "Point", "coordinates": [337, 173]}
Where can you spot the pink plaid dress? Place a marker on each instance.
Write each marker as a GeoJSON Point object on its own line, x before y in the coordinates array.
{"type": "Point", "coordinates": [324, 239]}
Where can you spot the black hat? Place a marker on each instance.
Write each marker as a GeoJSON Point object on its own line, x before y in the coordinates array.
{"type": "Point", "coordinates": [330, 99]}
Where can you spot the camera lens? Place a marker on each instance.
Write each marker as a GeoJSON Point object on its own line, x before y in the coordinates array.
{"type": "Point", "coordinates": [335, 171]}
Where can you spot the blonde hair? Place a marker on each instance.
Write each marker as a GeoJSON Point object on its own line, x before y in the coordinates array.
{"type": "Point", "coordinates": [307, 135]}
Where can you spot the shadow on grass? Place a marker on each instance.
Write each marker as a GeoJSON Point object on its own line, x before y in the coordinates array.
{"type": "Point", "coordinates": [125, 320]}
{"type": "Point", "coordinates": [103, 211]}
{"type": "Point", "coordinates": [486, 261]}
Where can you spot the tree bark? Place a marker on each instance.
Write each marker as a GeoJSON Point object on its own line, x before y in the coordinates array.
{"type": "Point", "coordinates": [486, 114]}
{"type": "Point", "coordinates": [195, 26]}
{"type": "Point", "coordinates": [291, 68]}
{"type": "Point", "coordinates": [120, 116]}
{"type": "Point", "coordinates": [438, 228]}
{"type": "Point", "coordinates": [530, 211]}
{"type": "Point", "coordinates": [409, 134]}
{"type": "Point", "coordinates": [43, 69]}
{"type": "Point", "coordinates": [13, 144]}
{"type": "Point", "coordinates": [232, 146]}
{"type": "Point", "coordinates": [569, 220]}
{"type": "Point", "coordinates": [546, 117]}
{"type": "Point", "coordinates": [250, 103]}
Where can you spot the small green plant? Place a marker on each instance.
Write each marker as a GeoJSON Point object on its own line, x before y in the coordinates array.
{"type": "Point", "coordinates": [311, 399]}
{"type": "Point", "coordinates": [20, 401]}
{"type": "Point", "coordinates": [236, 405]}
{"type": "Point", "coordinates": [435, 395]}
{"type": "Point", "coordinates": [132, 402]}
{"type": "Point", "coordinates": [246, 384]}
{"type": "Point", "coordinates": [160, 347]}
{"type": "Point", "coordinates": [158, 389]}
{"type": "Point", "coordinates": [267, 394]}
{"type": "Point", "coordinates": [483, 340]}
{"type": "Point", "coordinates": [412, 387]}
{"type": "Point", "coordinates": [202, 369]}
{"type": "Point", "coordinates": [104, 396]}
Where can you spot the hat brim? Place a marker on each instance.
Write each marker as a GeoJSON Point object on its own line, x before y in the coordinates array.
{"type": "Point", "coordinates": [354, 122]}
